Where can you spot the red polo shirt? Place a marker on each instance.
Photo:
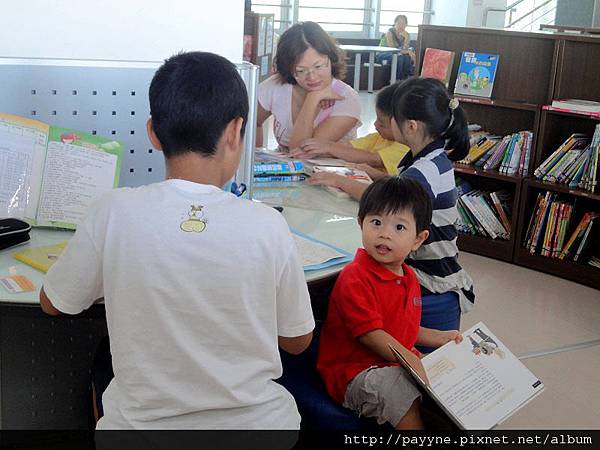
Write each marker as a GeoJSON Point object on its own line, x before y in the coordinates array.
{"type": "Point", "coordinates": [366, 297]}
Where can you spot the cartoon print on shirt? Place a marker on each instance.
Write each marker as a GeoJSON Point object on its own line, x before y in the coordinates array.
{"type": "Point", "coordinates": [196, 223]}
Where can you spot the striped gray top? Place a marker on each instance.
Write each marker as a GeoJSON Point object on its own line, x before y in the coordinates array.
{"type": "Point", "coordinates": [436, 261]}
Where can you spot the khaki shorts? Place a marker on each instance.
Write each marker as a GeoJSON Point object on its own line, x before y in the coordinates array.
{"type": "Point", "coordinates": [385, 393]}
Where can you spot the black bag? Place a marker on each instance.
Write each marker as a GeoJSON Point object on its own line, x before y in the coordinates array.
{"type": "Point", "coordinates": [13, 232]}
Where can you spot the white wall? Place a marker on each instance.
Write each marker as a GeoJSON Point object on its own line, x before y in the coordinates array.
{"type": "Point", "coordinates": [467, 13]}
{"type": "Point", "coordinates": [146, 30]}
{"type": "Point", "coordinates": [453, 13]}
{"type": "Point", "coordinates": [477, 8]}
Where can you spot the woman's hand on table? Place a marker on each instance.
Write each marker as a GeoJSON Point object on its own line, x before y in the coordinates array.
{"type": "Point", "coordinates": [312, 148]}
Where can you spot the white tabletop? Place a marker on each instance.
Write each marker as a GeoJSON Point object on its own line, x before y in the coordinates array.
{"type": "Point", "coordinates": [308, 209]}
{"type": "Point", "coordinates": [39, 237]}
{"type": "Point", "coordinates": [368, 48]}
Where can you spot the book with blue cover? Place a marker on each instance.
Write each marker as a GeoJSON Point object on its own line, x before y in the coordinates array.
{"type": "Point", "coordinates": [476, 74]}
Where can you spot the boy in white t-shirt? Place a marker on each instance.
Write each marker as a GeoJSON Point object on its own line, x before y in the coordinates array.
{"type": "Point", "coordinates": [199, 285]}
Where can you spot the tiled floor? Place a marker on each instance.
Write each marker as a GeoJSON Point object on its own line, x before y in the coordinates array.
{"type": "Point", "coordinates": [536, 313]}
{"type": "Point", "coordinates": [533, 312]}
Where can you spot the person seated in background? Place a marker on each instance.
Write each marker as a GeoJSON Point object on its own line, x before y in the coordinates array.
{"type": "Point", "coordinates": [196, 304]}
{"type": "Point", "coordinates": [377, 150]}
{"type": "Point", "coordinates": [398, 37]}
{"type": "Point", "coordinates": [306, 95]}
{"type": "Point", "coordinates": [376, 302]}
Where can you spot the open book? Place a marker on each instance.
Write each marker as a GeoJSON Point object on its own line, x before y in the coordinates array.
{"type": "Point", "coordinates": [478, 383]}
{"type": "Point", "coordinates": [316, 255]}
{"type": "Point", "coordinates": [50, 175]}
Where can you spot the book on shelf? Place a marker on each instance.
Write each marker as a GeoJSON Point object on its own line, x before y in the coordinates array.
{"type": "Point", "coordinates": [483, 213]}
{"type": "Point", "coordinates": [477, 383]}
{"type": "Point", "coordinates": [590, 243]}
{"type": "Point", "coordinates": [578, 105]}
{"type": "Point", "coordinates": [502, 203]}
{"type": "Point", "coordinates": [577, 235]}
{"type": "Point", "coordinates": [594, 262]}
{"type": "Point", "coordinates": [509, 155]}
{"type": "Point", "coordinates": [437, 64]}
{"type": "Point", "coordinates": [41, 258]}
{"type": "Point", "coordinates": [476, 74]}
{"type": "Point", "coordinates": [480, 148]}
{"type": "Point", "coordinates": [50, 175]}
{"type": "Point", "coordinates": [552, 232]}
{"type": "Point", "coordinates": [574, 163]}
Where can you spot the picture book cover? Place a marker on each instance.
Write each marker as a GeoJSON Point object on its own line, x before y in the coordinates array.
{"type": "Point", "coordinates": [438, 64]}
{"type": "Point", "coordinates": [476, 74]}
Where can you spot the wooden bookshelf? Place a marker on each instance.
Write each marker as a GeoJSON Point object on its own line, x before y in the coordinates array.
{"type": "Point", "coordinates": [494, 174]}
{"type": "Point", "coordinates": [580, 273]}
{"type": "Point", "coordinates": [534, 69]}
{"type": "Point", "coordinates": [546, 186]}
{"type": "Point", "coordinates": [492, 248]}
{"type": "Point", "coordinates": [491, 181]}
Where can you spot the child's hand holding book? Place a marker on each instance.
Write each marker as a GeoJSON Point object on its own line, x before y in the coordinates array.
{"type": "Point", "coordinates": [448, 336]}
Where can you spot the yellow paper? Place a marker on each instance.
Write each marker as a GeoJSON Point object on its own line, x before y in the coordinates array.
{"type": "Point", "coordinates": [41, 258]}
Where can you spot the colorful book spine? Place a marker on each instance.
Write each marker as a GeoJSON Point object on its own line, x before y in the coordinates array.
{"type": "Point", "coordinates": [278, 167]}
{"type": "Point", "coordinates": [279, 178]}
{"type": "Point", "coordinates": [533, 221]}
{"type": "Point", "coordinates": [577, 233]}
{"type": "Point", "coordinates": [501, 212]}
{"type": "Point", "coordinates": [545, 167]}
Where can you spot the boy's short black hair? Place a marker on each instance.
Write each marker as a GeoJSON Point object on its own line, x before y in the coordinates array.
{"type": "Point", "coordinates": [385, 99]}
{"type": "Point", "coordinates": [193, 96]}
{"type": "Point", "coordinates": [390, 195]}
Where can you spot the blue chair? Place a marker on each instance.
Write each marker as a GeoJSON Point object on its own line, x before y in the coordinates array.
{"type": "Point", "coordinates": [317, 409]}
{"type": "Point", "coordinates": [440, 312]}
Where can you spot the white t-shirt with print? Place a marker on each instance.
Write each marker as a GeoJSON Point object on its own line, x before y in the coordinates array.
{"type": "Point", "coordinates": [197, 284]}
{"type": "Point", "coordinates": [276, 97]}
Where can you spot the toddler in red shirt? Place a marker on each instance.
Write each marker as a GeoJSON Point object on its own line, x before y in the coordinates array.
{"type": "Point", "coordinates": [376, 301]}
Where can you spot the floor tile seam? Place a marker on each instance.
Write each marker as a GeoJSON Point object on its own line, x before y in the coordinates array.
{"type": "Point", "coordinates": [564, 349]}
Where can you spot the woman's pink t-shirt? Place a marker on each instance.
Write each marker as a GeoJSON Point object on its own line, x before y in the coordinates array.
{"type": "Point", "coordinates": [276, 97]}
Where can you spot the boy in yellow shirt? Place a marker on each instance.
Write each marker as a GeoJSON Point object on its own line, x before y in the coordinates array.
{"type": "Point", "coordinates": [378, 150]}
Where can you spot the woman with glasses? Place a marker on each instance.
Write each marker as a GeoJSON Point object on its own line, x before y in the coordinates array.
{"type": "Point", "coordinates": [305, 95]}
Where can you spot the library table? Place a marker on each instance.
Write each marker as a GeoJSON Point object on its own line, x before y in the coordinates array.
{"type": "Point", "coordinates": [371, 49]}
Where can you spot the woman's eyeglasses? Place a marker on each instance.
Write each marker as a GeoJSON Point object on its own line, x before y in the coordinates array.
{"type": "Point", "coordinates": [318, 69]}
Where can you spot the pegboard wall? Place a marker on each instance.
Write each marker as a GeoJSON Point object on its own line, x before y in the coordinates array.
{"type": "Point", "coordinates": [107, 98]}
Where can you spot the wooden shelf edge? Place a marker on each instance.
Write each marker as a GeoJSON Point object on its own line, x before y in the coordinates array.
{"type": "Point", "coordinates": [496, 249]}
{"type": "Point", "coordinates": [561, 188]}
{"type": "Point", "coordinates": [496, 102]}
{"type": "Point", "coordinates": [470, 170]}
{"type": "Point", "coordinates": [571, 113]}
{"type": "Point", "coordinates": [568, 270]}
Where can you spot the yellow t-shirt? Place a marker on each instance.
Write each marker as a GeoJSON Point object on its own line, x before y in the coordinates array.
{"type": "Point", "coordinates": [391, 152]}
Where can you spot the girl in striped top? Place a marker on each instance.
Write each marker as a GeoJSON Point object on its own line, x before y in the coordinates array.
{"type": "Point", "coordinates": [434, 127]}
